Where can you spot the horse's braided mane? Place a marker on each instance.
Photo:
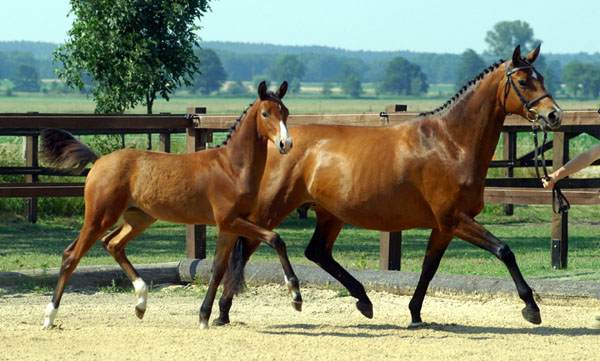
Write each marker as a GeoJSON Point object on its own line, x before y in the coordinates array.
{"type": "Point", "coordinates": [464, 88]}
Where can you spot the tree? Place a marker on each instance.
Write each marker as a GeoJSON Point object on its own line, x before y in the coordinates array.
{"type": "Point", "coordinates": [257, 79]}
{"type": "Point", "coordinates": [211, 75]}
{"type": "Point", "coordinates": [470, 65]}
{"type": "Point", "coordinates": [288, 68]}
{"type": "Point", "coordinates": [327, 88]}
{"type": "Point", "coordinates": [582, 80]}
{"type": "Point", "coordinates": [26, 78]}
{"type": "Point", "coordinates": [506, 35]}
{"type": "Point", "coordinates": [133, 49]}
{"type": "Point", "coordinates": [349, 81]}
{"type": "Point", "coordinates": [403, 77]}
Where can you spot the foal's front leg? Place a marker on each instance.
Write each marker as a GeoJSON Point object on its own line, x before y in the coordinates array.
{"type": "Point", "coordinates": [251, 231]}
{"type": "Point", "coordinates": [224, 246]}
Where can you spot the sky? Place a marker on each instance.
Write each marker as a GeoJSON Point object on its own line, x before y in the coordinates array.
{"type": "Point", "coordinates": [439, 26]}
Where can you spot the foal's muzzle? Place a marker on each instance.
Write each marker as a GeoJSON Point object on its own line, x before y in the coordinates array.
{"type": "Point", "coordinates": [284, 142]}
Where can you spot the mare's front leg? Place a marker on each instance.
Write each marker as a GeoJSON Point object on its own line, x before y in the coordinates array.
{"type": "Point", "coordinates": [473, 232]}
{"type": "Point", "coordinates": [438, 243]}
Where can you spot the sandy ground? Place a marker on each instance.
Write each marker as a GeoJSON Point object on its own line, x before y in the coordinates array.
{"type": "Point", "coordinates": [102, 326]}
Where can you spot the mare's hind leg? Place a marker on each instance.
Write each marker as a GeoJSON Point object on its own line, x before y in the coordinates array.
{"type": "Point", "coordinates": [93, 228]}
{"type": "Point", "coordinates": [135, 221]}
{"type": "Point", "coordinates": [438, 243]}
{"type": "Point", "coordinates": [319, 250]}
{"type": "Point", "coordinates": [471, 231]}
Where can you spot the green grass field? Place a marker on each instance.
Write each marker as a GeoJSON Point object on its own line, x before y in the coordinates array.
{"type": "Point", "coordinates": [26, 246]}
{"type": "Point", "coordinates": [527, 232]}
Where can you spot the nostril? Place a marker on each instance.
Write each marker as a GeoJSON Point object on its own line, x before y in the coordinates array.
{"type": "Point", "coordinates": [281, 144]}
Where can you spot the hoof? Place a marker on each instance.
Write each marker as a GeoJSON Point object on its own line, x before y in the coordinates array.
{"type": "Point", "coordinates": [203, 325]}
{"type": "Point", "coordinates": [297, 305]}
{"type": "Point", "coordinates": [416, 325]}
{"type": "Point", "coordinates": [532, 315]}
{"type": "Point", "coordinates": [139, 313]}
{"type": "Point", "coordinates": [365, 308]}
{"type": "Point", "coordinates": [220, 322]}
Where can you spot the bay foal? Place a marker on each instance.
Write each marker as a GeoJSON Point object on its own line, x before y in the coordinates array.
{"type": "Point", "coordinates": [214, 186]}
{"type": "Point", "coordinates": [428, 172]}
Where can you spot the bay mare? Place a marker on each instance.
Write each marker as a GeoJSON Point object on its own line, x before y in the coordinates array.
{"type": "Point", "coordinates": [428, 172]}
{"type": "Point", "coordinates": [213, 186]}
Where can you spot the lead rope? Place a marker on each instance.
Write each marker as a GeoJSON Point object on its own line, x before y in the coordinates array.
{"type": "Point", "coordinates": [560, 203]}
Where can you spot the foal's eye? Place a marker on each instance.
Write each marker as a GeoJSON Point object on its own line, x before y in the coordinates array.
{"type": "Point", "coordinates": [265, 114]}
{"type": "Point", "coordinates": [522, 83]}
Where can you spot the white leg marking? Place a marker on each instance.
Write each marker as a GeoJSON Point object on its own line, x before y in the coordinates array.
{"type": "Point", "coordinates": [50, 315]}
{"type": "Point", "coordinates": [141, 291]}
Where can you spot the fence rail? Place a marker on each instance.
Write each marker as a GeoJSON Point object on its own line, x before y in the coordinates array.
{"type": "Point", "coordinates": [199, 129]}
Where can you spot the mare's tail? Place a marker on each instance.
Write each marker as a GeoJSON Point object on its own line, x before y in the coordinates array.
{"type": "Point", "coordinates": [62, 150]}
{"type": "Point", "coordinates": [234, 280]}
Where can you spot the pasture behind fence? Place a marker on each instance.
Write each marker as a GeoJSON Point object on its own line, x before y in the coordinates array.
{"type": "Point", "coordinates": [198, 128]}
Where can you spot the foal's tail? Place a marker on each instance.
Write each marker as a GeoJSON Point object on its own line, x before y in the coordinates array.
{"type": "Point", "coordinates": [62, 150]}
{"type": "Point", "coordinates": [234, 280]}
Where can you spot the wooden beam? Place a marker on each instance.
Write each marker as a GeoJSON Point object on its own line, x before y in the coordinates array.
{"type": "Point", "coordinates": [22, 190]}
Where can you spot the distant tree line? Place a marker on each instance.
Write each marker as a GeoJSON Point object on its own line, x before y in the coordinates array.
{"type": "Point", "coordinates": [398, 72]}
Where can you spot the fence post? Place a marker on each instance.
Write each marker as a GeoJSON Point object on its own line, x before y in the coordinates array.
{"type": "Point", "coordinates": [390, 243]}
{"type": "Point", "coordinates": [509, 150]}
{"type": "Point", "coordinates": [559, 244]}
{"type": "Point", "coordinates": [164, 142]}
{"type": "Point", "coordinates": [31, 160]}
{"type": "Point", "coordinates": [195, 234]}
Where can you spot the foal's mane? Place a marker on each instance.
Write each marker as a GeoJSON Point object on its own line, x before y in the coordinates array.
{"type": "Point", "coordinates": [464, 90]}
{"type": "Point", "coordinates": [270, 96]}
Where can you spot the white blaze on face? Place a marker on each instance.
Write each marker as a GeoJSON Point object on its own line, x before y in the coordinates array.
{"type": "Point", "coordinates": [283, 132]}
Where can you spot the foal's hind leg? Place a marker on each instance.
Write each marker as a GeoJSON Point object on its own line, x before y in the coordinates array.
{"type": "Point", "coordinates": [135, 221]}
{"type": "Point", "coordinates": [90, 233]}
{"type": "Point", "coordinates": [472, 232]}
{"type": "Point", "coordinates": [319, 251]}
{"type": "Point", "coordinates": [438, 243]}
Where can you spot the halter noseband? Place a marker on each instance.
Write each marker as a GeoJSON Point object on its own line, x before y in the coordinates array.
{"type": "Point", "coordinates": [530, 114]}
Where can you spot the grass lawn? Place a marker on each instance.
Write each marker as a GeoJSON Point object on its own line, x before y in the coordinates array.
{"type": "Point", "coordinates": [26, 246]}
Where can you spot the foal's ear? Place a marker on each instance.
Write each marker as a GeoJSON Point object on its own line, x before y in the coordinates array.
{"type": "Point", "coordinates": [533, 55]}
{"type": "Point", "coordinates": [262, 90]}
{"type": "Point", "coordinates": [516, 57]}
{"type": "Point", "coordinates": [282, 90]}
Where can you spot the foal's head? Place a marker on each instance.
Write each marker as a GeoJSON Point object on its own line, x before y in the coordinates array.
{"type": "Point", "coordinates": [272, 117]}
{"type": "Point", "coordinates": [524, 92]}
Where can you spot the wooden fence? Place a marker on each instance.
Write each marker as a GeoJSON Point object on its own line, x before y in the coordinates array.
{"type": "Point", "coordinates": [199, 127]}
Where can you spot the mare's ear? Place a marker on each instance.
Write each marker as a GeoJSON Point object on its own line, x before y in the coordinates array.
{"type": "Point", "coordinates": [533, 55]}
{"type": "Point", "coordinates": [282, 90]}
{"type": "Point", "coordinates": [262, 90]}
{"type": "Point", "coordinates": [516, 57]}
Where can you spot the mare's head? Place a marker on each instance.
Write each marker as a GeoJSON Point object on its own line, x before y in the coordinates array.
{"type": "Point", "coordinates": [524, 92]}
{"type": "Point", "coordinates": [272, 117]}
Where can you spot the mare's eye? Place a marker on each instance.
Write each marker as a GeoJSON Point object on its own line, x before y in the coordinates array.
{"type": "Point", "coordinates": [265, 114]}
{"type": "Point", "coordinates": [522, 83]}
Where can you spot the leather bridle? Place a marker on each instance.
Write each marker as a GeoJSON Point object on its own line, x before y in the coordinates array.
{"type": "Point", "coordinates": [560, 203]}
